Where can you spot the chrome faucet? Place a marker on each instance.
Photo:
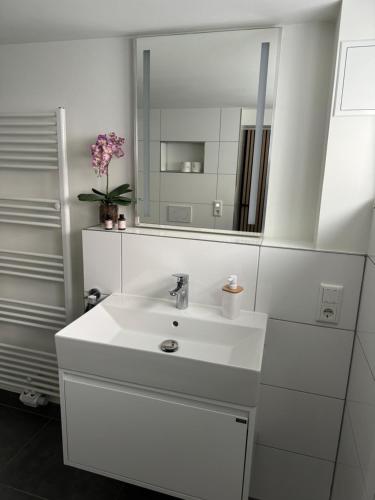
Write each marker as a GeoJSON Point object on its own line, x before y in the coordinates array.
{"type": "Point", "coordinates": [181, 292]}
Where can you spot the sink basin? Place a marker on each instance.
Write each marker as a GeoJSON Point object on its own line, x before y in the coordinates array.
{"type": "Point", "coordinates": [217, 358]}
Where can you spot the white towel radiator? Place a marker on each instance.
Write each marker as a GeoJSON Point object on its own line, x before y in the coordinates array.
{"type": "Point", "coordinates": [33, 145]}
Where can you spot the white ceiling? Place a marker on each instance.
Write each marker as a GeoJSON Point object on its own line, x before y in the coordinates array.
{"type": "Point", "coordinates": [52, 20]}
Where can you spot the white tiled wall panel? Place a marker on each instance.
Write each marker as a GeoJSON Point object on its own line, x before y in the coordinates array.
{"type": "Point", "coordinates": [200, 124]}
{"type": "Point", "coordinates": [230, 124]}
{"type": "Point", "coordinates": [149, 262]}
{"type": "Point", "coordinates": [361, 408]}
{"type": "Point", "coordinates": [101, 257]}
{"type": "Point", "coordinates": [355, 478]}
{"type": "Point", "coordinates": [228, 158]}
{"type": "Point", "coordinates": [211, 156]}
{"type": "Point", "coordinates": [226, 219]}
{"type": "Point", "coordinates": [299, 422]}
{"type": "Point", "coordinates": [305, 363]}
{"type": "Point", "coordinates": [348, 484]}
{"type": "Point", "coordinates": [188, 188]}
{"type": "Point", "coordinates": [307, 358]}
{"type": "Point", "coordinates": [289, 280]}
{"type": "Point", "coordinates": [280, 475]}
{"type": "Point", "coordinates": [226, 186]}
{"type": "Point", "coordinates": [366, 321]}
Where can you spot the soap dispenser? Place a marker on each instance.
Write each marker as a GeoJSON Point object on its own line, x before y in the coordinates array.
{"type": "Point", "coordinates": [231, 297]}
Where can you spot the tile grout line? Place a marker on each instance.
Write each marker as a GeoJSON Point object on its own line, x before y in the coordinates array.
{"type": "Point", "coordinates": [27, 411]}
{"type": "Point", "coordinates": [321, 324]}
{"type": "Point", "coordinates": [27, 442]}
{"type": "Point", "coordinates": [23, 491]}
{"type": "Point", "coordinates": [356, 450]}
{"type": "Point", "coordinates": [348, 379]}
{"type": "Point", "coordinates": [295, 452]}
{"type": "Point", "coordinates": [302, 391]}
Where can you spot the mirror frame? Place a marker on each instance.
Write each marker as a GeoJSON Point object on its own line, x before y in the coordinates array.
{"type": "Point", "coordinates": [225, 232]}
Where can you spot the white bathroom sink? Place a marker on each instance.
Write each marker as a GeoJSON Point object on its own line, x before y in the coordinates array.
{"type": "Point", "coordinates": [217, 358]}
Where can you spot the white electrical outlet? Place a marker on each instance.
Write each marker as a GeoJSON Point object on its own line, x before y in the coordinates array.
{"type": "Point", "coordinates": [329, 304]}
{"type": "Point", "coordinates": [218, 208]}
{"type": "Point", "coordinates": [328, 313]}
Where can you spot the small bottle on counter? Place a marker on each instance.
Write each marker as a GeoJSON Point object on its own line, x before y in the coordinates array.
{"type": "Point", "coordinates": [231, 298]}
{"type": "Point", "coordinates": [121, 223]}
{"type": "Point", "coordinates": [108, 224]}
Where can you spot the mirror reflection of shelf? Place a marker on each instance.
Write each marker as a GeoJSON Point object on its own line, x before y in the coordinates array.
{"type": "Point", "coordinates": [173, 154]}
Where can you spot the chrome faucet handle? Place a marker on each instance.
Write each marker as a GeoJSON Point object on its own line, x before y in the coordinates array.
{"type": "Point", "coordinates": [181, 277]}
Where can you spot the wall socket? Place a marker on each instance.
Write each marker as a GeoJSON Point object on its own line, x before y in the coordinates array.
{"type": "Point", "coordinates": [217, 208]}
{"type": "Point", "coordinates": [329, 304]}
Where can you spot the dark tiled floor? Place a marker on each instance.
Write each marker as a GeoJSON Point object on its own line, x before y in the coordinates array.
{"type": "Point", "coordinates": [31, 461]}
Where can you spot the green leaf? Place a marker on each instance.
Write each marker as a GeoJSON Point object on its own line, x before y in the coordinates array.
{"type": "Point", "coordinates": [97, 192]}
{"type": "Point", "coordinates": [121, 200]}
{"type": "Point", "coordinates": [90, 197]}
{"type": "Point", "coordinates": [124, 188]}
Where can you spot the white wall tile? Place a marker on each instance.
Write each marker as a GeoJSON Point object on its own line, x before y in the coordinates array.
{"type": "Point", "coordinates": [361, 408]}
{"type": "Point", "coordinates": [188, 188]}
{"type": "Point", "coordinates": [149, 262]}
{"type": "Point", "coordinates": [289, 280]}
{"type": "Point", "coordinates": [230, 124]}
{"type": "Point", "coordinates": [299, 422]}
{"type": "Point", "coordinates": [347, 451]}
{"type": "Point", "coordinates": [200, 124]}
{"type": "Point", "coordinates": [228, 158]}
{"type": "Point", "coordinates": [366, 320]}
{"type": "Point", "coordinates": [307, 358]}
{"type": "Point", "coordinates": [211, 157]}
{"type": "Point", "coordinates": [348, 484]}
{"type": "Point", "coordinates": [202, 215]}
{"type": "Point", "coordinates": [226, 187]}
{"type": "Point", "coordinates": [102, 261]}
{"type": "Point", "coordinates": [281, 475]}
{"type": "Point", "coordinates": [154, 124]}
{"type": "Point", "coordinates": [226, 219]}
{"type": "Point", "coordinates": [361, 384]}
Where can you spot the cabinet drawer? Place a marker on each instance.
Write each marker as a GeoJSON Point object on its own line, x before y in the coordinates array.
{"type": "Point", "coordinates": [196, 450]}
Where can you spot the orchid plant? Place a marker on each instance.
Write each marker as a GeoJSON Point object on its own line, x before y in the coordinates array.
{"type": "Point", "coordinates": [105, 148]}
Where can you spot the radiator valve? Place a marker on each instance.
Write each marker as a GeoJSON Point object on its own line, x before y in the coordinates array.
{"type": "Point", "coordinates": [32, 398]}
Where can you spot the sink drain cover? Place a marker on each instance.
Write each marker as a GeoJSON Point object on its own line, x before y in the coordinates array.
{"type": "Point", "coordinates": [169, 345]}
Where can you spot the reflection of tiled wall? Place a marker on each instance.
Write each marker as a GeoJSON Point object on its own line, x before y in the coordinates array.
{"type": "Point", "coordinates": [219, 130]}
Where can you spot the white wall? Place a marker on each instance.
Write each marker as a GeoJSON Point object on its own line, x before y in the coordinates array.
{"type": "Point", "coordinates": [349, 174]}
{"type": "Point", "coordinates": [299, 128]}
{"type": "Point", "coordinates": [92, 79]}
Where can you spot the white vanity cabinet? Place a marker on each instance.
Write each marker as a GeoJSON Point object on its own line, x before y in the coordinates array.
{"type": "Point", "coordinates": [186, 448]}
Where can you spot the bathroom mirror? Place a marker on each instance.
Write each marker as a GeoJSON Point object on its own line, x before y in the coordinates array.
{"type": "Point", "coordinates": [204, 116]}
